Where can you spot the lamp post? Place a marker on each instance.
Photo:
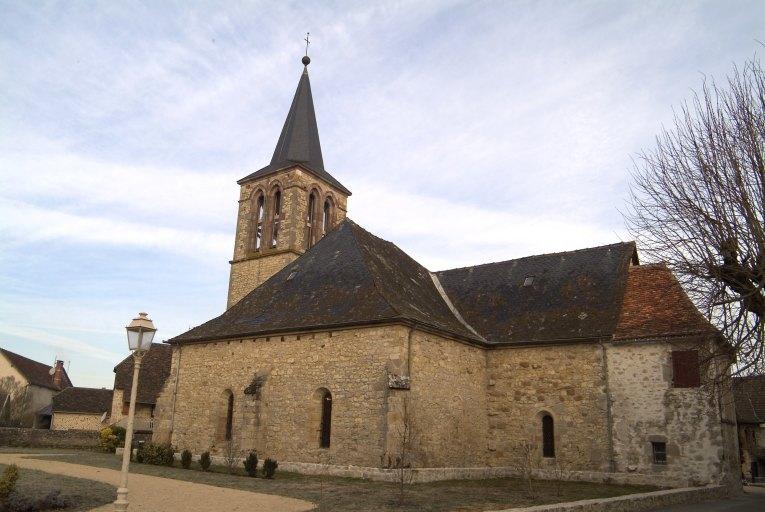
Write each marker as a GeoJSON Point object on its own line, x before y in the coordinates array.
{"type": "Point", "coordinates": [140, 333]}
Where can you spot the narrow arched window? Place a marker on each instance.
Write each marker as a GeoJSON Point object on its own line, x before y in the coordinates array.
{"type": "Point", "coordinates": [276, 217]}
{"type": "Point", "coordinates": [326, 218]}
{"type": "Point", "coordinates": [230, 416]}
{"type": "Point", "coordinates": [326, 419]}
{"type": "Point", "coordinates": [311, 218]}
{"type": "Point", "coordinates": [257, 221]}
{"type": "Point", "coordinates": [548, 436]}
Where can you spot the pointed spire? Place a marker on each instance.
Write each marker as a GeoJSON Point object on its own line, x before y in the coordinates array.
{"type": "Point", "coordinates": [299, 140]}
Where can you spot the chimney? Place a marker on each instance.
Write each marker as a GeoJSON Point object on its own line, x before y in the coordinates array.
{"type": "Point", "coordinates": [58, 374]}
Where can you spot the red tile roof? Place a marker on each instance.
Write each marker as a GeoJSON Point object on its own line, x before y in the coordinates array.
{"type": "Point", "coordinates": [655, 305]}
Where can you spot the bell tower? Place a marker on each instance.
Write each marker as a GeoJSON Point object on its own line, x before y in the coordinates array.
{"type": "Point", "coordinates": [288, 205]}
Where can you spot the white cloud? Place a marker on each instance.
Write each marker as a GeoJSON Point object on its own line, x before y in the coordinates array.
{"type": "Point", "coordinates": [65, 344]}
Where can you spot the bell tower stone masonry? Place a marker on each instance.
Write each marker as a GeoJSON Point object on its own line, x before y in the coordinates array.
{"type": "Point", "coordinates": [287, 206]}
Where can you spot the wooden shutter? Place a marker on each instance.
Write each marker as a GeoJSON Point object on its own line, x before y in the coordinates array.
{"type": "Point", "coordinates": [685, 369]}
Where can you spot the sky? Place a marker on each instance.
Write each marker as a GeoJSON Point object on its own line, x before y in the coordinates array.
{"type": "Point", "coordinates": [468, 132]}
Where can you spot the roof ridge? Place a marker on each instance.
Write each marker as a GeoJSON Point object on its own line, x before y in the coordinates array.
{"type": "Point", "coordinates": [617, 244]}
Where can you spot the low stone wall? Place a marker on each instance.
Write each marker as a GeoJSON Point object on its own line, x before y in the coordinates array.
{"type": "Point", "coordinates": [477, 473]}
{"type": "Point", "coordinates": [633, 502]}
{"type": "Point", "coordinates": [41, 438]}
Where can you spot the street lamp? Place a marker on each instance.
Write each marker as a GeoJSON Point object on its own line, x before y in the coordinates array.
{"type": "Point", "coordinates": [140, 333]}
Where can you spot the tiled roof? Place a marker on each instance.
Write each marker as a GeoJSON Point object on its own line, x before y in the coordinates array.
{"type": "Point", "coordinates": [349, 277]}
{"type": "Point", "coordinates": [299, 141]}
{"type": "Point", "coordinates": [568, 295]}
{"type": "Point", "coordinates": [83, 400]}
{"type": "Point", "coordinates": [155, 368]}
{"type": "Point", "coordinates": [655, 305]}
{"type": "Point", "coordinates": [749, 395]}
{"type": "Point", "coordinates": [36, 373]}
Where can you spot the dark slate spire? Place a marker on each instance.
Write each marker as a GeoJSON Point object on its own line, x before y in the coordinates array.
{"type": "Point", "coordinates": [299, 140]}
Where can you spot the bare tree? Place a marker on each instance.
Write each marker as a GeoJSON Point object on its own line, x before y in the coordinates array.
{"type": "Point", "coordinates": [698, 204]}
{"type": "Point", "coordinates": [404, 436]}
{"type": "Point", "coordinates": [18, 411]}
{"type": "Point", "coordinates": [230, 456]}
{"type": "Point", "coordinates": [526, 465]}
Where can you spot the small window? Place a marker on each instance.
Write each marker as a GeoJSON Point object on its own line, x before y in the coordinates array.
{"type": "Point", "coordinates": [326, 218]}
{"type": "Point", "coordinates": [230, 416]}
{"type": "Point", "coordinates": [685, 369]}
{"type": "Point", "coordinates": [309, 223]}
{"type": "Point", "coordinates": [326, 419]}
{"type": "Point", "coordinates": [125, 408]}
{"type": "Point", "coordinates": [659, 452]}
{"type": "Point", "coordinates": [548, 436]}
{"type": "Point", "coordinates": [257, 220]}
{"type": "Point", "coordinates": [528, 281]}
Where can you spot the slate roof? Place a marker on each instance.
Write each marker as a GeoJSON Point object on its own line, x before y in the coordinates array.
{"type": "Point", "coordinates": [655, 305]}
{"type": "Point", "coordinates": [155, 369]}
{"type": "Point", "coordinates": [83, 400]}
{"type": "Point", "coordinates": [299, 141]}
{"type": "Point", "coordinates": [350, 277]}
{"type": "Point", "coordinates": [573, 295]}
{"type": "Point", "coordinates": [749, 396]}
{"type": "Point", "coordinates": [36, 373]}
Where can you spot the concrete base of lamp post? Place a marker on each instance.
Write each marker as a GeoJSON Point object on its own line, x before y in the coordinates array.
{"type": "Point", "coordinates": [121, 504]}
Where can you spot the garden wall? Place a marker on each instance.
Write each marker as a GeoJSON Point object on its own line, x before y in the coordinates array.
{"type": "Point", "coordinates": [41, 438]}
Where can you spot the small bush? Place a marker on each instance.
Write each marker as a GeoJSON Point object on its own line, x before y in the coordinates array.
{"type": "Point", "coordinates": [8, 481]}
{"type": "Point", "coordinates": [18, 503]}
{"type": "Point", "coordinates": [120, 433]}
{"type": "Point", "coordinates": [186, 459]}
{"type": "Point", "coordinates": [251, 464]}
{"type": "Point", "coordinates": [269, 468]}
{"type": "Point", "coordinates": [157, 454]}
{"type": "Point", "coordinates": [107, 440]}
{"type": "Point", "coordinates": [204, 461]}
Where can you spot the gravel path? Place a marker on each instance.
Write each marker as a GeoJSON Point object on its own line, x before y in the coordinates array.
{"type": "Point", "coordinates": [155, 494]}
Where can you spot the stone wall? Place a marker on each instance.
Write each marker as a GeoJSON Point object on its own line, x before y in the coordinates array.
{"type": "Point", "coordinates": [646, 407]}
{"type": "Point", "coordinates": [31, 437]}
{"type": "Point", "coordinates": [76, 421]}
{"type": "Point", "coordinates": [279, 420]}
{"type": "Point", "coordinates": [249, 268]}
{"type": "Point", "coordinates": [447, 401]}
{"type": "Point", "coordinates": [565, 381]}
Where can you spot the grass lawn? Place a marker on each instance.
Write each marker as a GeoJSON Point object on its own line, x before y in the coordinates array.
{"type": "Point", "coordinates": [81, 494]}
{"type": "Point", "coordinates": [349, 494]}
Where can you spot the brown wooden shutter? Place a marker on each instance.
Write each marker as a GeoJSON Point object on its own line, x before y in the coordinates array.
{"type": "Point", "coordinates": [685, 369]}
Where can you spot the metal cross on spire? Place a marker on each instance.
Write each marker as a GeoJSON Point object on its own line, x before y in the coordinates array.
{"type": "Point", "coordinates": [307, 42]}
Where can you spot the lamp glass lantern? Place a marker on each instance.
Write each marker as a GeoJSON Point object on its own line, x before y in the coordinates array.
{"type": "Point", "coordinates": [140, 333]}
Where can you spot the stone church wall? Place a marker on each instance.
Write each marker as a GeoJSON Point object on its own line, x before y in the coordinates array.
{"type": "Point", "coordinates": [448, 402]}
{"type": "Point", "coordinates": [566, 381]}
{"type": "Point", "coordinates": [646, 407]}
{"type": "Point", "coordinates": [280, 420]}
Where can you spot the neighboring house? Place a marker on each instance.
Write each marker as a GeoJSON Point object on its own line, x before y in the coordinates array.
{"type": "Point", "coordinates": [749, 393]}
{"type": "Point", "coordinates": [155, 368]}
{"type": "Point", "coordinates": [39, 381]}
{"type": "Point", "coordinates": [336, 341]}
{"type": "Point", "coordinates": [81, 409]}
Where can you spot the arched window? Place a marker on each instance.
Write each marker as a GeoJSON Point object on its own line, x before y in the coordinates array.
{"type": "Point", "coordinates": [311, 218]}
{"type": "Point", "coordinates": [258, 213]}
{"type": "Point", "coordinates": [326, 419]}
{"type": "Point", "coordinates": [230, 416]}
{"type": "Point", "coordinates": [548, 436]}
{"type": "Point", "coordinates": [326, 217]}
{"type": "Point", "coordinates": [276, 217]}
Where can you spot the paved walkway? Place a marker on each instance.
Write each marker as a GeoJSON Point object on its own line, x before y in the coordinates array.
{"type": "Point", "coordinates": [156, 494]}
{"type": "Point", "coordinates": [753, 500]}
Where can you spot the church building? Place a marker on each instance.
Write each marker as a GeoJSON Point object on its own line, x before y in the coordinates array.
{"type": "Point", "coordinates": [340, 353]}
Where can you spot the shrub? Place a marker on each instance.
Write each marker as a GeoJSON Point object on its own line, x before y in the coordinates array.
{"type": "Point", "coordinates": [186, 459]}
{"type": "Point", "coordinates": [269, 468]}
{"type": "Point", "coordinates": [204, 461]}
{"type": "Point", "coordinates": [19, 503]}
{"type": "Point", "coordinates": [107, 440]}
{"type": "Point", "coordinates": [251, 464]}
{"type": "Point", "coordinates": [157, 454]}
{"type": "Point", "coordinates": [120, 433]}
{"type": "Point", "coordinates": [8, 481]}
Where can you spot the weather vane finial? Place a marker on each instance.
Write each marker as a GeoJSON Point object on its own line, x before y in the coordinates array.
{"type": "Point", "coordinates": [306, 59]}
